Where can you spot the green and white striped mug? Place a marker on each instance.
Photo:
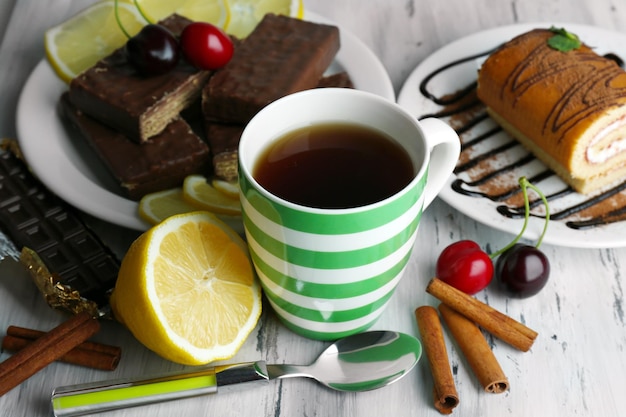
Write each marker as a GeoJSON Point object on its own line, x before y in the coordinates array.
{"type": "Point", "coordinates": [330, 272]}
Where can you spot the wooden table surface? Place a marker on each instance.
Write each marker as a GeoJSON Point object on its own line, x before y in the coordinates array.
{"type": "Point", "coordinates": [575, 368]}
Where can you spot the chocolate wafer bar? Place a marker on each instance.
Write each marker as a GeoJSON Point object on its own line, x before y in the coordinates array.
{"type": "Point", "coordinates": [139, 106]}
{"type": "Point", "coordinates": [35, 218]}
{"type": "Point", "coordinates": [224, 138]}
{"type": "Point", "coordinates": [338, 80]}
{"type": "Point", "coordinates": [281, 56]}
{"type": "Point", "coordinates": [160, 163]}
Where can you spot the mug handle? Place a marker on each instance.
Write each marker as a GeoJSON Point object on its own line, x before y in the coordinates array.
{"type": "Point", "coordinates": [444, 146]}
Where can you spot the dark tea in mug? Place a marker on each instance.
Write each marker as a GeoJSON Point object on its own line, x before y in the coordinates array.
{"type": "Point", "coordinates": [334, 166]}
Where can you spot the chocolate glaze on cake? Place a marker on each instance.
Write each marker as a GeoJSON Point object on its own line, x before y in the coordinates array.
{"type": "Point", "coordinates": [160, 163]}
{"type": "Point", "coordinates": [115, 94]}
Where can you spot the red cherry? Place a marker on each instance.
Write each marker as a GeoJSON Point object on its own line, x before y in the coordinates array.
{"type": "Point", "coordinates": [206, 46]}
{"type": "Point", "coordinates": [465, 266]}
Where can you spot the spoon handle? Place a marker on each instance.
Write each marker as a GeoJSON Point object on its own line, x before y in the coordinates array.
{"type": "Point", "coordinates": [78, 400]}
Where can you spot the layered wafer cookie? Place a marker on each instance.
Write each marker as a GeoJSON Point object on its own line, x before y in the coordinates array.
{"type": "Point", "coordinates": [281, 56]}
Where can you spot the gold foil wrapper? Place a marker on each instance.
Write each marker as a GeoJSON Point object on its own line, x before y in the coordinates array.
{"type": "Point", "coordinates": [56, 294]}
{"type": "Point", "coordinates": [12, 146]}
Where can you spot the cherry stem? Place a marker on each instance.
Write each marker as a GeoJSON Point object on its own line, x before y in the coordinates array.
{"type": "Point", "coordinates": [547, 207]}
{"type": "Point", "coordinates": [119, 21]}
{"type": "Point", "coordinates": [524, 185]}
{"type": "Point", "coordinates": [141, 12]}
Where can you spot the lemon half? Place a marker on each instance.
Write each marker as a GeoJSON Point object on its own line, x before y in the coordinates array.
{"type": "Point", "coordinates": [186, 290]}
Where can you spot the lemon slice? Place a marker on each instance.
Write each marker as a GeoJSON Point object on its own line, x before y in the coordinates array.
{"type": "Point", "coordinates": [212, 11]}
{"type": "Point", "coordinates": [186, 290]}
{"type": "Point", "coordinates": [198, 191]}
{"type": "Point", "coordinates": [158, 206]}
{"type": "Point", "coordinates": [230, 189]}
{"type": "Point", "coordinates": [82, 40]}
{"type": "Point", "coordinates": [245, 14]}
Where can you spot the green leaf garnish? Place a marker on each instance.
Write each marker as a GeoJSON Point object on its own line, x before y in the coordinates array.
{"type": "Point", "coordinates": [563, 41]}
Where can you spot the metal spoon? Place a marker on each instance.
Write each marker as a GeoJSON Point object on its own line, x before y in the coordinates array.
{"type": "Point", "coordinates": [360, 362]}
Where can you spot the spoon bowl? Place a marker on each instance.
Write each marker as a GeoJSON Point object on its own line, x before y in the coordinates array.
{"type": "Point", "coordinates": [361, 362]}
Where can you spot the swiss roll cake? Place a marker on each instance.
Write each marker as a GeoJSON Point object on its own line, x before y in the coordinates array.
{"type": "Point", "coordinates": [566, 104]}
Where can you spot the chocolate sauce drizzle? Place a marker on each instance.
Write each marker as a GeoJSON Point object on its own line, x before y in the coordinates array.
{"type": "Point", "coordinates": [464, 112]}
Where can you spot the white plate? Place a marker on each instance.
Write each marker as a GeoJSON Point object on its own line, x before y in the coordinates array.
{"type": "Point", "coordinates": [70, 170]}
{"type": "Point", "coordinates": [458, 76]}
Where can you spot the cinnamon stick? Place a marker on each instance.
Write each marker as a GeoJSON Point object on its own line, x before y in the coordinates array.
{"type": "Point", "coordinates": [444, 390]}
{"type": "Point", "coordinates": [45, 350]}
{"type": "Point", "coordinates": [499, 324]}
{"type": "Point", "coordinates": [88, 354]}
{"type": "Point", "coordinates": [476, 350]}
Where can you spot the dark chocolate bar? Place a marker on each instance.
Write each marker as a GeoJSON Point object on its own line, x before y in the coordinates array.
{"type": "Point", "coordinates": [115, 94]}
{"type": "Point", "coordinates": [281, 56]}
{"type": "Point", "coordinates": [160, 163]}
{"type": "Point", "coordinates": [33, 217]}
